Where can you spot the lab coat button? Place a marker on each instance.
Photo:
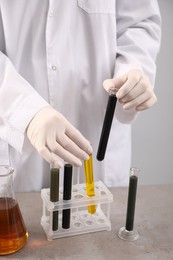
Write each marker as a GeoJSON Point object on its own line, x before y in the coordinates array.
{"type": "Point", "coordinates": [54, 67]}
{"type": "Point", "coordinates": [50, 14]}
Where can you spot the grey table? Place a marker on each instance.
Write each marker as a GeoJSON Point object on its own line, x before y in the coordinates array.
{"type": "Point", "coordinates": [153, 219]}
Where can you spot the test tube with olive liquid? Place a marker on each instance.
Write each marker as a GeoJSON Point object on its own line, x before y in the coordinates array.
{"type": "Point", "coordinates": [128, 232]}
{"type": "Point", "coordinates": [133, 179]}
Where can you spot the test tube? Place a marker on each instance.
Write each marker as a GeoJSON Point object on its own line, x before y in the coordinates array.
{"type": "Point", "coordinates": [54, 194]}
{"type": "Point", "coordinates": [128, 232]}
{"type": "Point", "coordinates": [89, 177]}
{"type": "Point", "coordinates": [67, 187]}
{"type": "Point", "coordinates": [106, 127]}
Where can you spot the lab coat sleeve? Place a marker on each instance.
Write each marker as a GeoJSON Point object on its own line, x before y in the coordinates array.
{"type": "Point", "coordinates": [138, 42]}
{"type": "Point", "coordinates": [19, 102]}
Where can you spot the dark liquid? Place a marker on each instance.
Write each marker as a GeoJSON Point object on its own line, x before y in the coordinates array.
{"type": "Point", "coordinates": [131, 203]}
{"type": "Point", "coordinates": [13, 234]}
{"type": "Point", "coordinates": [106, 127]}
{"type": "Point", "coordinates": [66, 218]}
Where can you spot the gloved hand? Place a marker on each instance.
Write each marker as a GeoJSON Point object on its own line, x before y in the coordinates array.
{"type": "Point", "coordinates": [51, 134]}
{"type": "Point", "coordinates": [133, 90]}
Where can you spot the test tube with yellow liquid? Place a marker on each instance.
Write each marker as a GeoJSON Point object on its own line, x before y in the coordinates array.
{"type": "Point", "coordinates": [89, 177]}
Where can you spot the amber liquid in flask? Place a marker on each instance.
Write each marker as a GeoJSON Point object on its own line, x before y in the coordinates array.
{"type": "Point", "coordinates": [13, 233]}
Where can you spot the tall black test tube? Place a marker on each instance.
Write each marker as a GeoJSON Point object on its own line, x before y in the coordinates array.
{"type": "Point", "coordinates": [54, 194]}
{"type": "Point", "coordinates": [67, 187]}
{"type": "Point", "coordinates": [106, 127]}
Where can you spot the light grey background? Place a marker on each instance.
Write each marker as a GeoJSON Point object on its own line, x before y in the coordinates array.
{"type": "Point", "coordinates": [152, 134]}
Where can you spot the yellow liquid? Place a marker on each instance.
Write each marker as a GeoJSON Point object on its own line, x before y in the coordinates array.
{"type": "Point", "coordinates": [89, 177]}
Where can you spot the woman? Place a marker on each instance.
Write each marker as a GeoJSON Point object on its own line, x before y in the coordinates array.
{"type": "Point", "coordinates": [55, 56]}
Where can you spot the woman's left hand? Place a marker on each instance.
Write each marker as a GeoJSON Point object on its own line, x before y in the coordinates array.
{"type": "Point", "coordinates": [133, 90]}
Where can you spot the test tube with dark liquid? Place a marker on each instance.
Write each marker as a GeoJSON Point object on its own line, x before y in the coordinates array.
{"type": "Point", "coordinates": [67, 187]}
{"type": "Point", "coordinates": [128, 232]}
{"type": "Point", "coordinates": [106, 127]}
{"type": "Point", "coordinates": [131, 202]}
{"type": "Point", "coordinates": [54, 194]}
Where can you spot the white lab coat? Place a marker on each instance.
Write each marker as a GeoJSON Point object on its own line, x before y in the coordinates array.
{"type": "Point", "coordinates": [59, 52]}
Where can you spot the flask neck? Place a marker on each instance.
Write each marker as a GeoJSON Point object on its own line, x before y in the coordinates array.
{"type": "Point", "coordinates": [6, 182]}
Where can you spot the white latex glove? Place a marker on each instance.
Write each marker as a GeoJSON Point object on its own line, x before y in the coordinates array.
{"type": "Point", "coordinates": [51, 134]}
{"type": "Point", "coordinates": [133, 90]}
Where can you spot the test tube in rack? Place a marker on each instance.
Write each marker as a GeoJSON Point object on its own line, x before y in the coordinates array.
{"type": "Point", "coordinates": [89, 177]}
{"type": "Point", "coordinates": [67, 190]}
{"type": "Point", "coordinates": [54, 194]}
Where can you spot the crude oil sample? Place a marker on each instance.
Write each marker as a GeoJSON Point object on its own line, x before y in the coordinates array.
{"type": "Point", "coordinates": [89, 177]}
{"type": "Point", "coordinates": [112, 100]}
{"type": "Point", "coordinates": [129, 233]}
{"type": "Point", "coordinates": [67, 185]}
{"type": "Point", "coordinates": [54, 194]}
{"type": "Point", "coordinates": [13, 234]}
{"type": "Point", "coordinates": [131, 202]}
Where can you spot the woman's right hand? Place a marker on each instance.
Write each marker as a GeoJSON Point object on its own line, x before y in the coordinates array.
{"type": "Point", "coordinates": [51, 134]}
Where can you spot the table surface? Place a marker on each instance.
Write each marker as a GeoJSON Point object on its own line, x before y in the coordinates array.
{"type": "Point", "coordinates": [153, 220]}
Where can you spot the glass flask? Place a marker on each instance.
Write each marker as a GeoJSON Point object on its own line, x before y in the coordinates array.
{"type": "Point", "coordinates": [13, 233]}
